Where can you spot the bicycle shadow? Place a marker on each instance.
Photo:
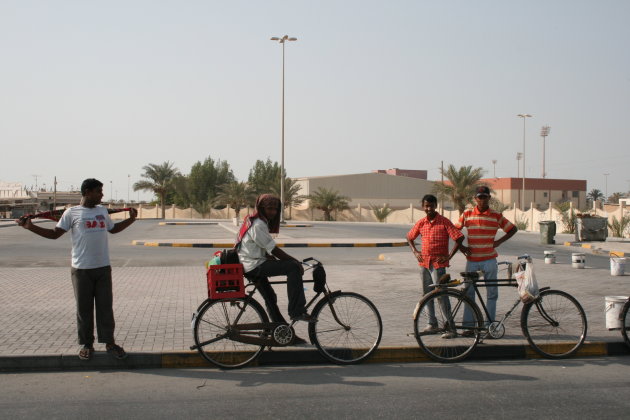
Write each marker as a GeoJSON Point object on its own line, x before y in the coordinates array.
{"type": "Point", "coordinates": [355, 375]}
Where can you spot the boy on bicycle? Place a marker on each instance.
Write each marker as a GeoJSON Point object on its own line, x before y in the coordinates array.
{"type": "Point", "coordinates": [435, 231]}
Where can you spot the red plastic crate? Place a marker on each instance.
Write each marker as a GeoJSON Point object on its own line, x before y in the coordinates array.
{"type": "Point", "coordinates": [225, 281]}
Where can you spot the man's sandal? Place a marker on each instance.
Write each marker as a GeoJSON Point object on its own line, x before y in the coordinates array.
{"type": "Point", "coordinates": [86, 353]}
{"type": "Point", "coordinates": [116, 351]}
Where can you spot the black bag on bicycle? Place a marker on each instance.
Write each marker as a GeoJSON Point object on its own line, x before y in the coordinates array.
{"type": "Point", "coordinates": [229, 256]}
{"type": "Point", "coordinates": [319, 278]}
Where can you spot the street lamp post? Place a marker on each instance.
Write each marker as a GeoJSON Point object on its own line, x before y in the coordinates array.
{"type": "Point", "coordinates": [282, 40]}
{"type": "Point", "coordinates": [544, 132]}
{"type": "Point", "coordinates": [606, 186]}
{"type": "Point", "coordinates": [494, 167]}
{"type": "Point", "coordinates": [524, 117]}
{"type": "Point", "coordinates": [519, 156]}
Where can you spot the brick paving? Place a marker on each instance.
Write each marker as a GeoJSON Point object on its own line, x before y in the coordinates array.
{"type": "Point", "coordinates": [153, 305]}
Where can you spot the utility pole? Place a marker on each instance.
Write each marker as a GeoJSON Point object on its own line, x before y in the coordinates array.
{"type": "Point", "coordinates": [544, 132]}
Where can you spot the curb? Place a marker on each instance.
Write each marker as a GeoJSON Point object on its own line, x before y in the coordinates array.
{"type": "Point", "coordinates": [178, 360]}
{"type": "Point", "coordinates": [595, 250]}
{"type": "Point", "coordinates": [279, 244]}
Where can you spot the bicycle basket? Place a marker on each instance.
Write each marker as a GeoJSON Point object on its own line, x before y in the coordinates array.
{"type": "Point", "coordinates": [225, 281]}
{"type": "Point", "coordinates": [319, 278]}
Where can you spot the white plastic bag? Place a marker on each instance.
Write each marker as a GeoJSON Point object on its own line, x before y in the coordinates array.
{"type": "Point", "coordinates": [527, 284]}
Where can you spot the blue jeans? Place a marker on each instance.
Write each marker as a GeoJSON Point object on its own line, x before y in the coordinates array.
{"type": "Point", "coordinates": [489, 269]}
{"type": "Point", "coordinates": [431, 276]}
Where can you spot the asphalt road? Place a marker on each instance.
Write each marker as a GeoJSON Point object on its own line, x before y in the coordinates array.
{"type": "Point", "coordinates": [19, 248]}
{"type": "Point", "coordinates": [541, 389]}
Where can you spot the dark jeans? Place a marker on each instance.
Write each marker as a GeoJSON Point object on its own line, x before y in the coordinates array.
{"type": "Point", "coordinates": [295, 287]}
{"type": "Point", "coordinates": [94, 286]}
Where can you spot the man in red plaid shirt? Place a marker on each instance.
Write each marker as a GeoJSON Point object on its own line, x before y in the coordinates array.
{"type": "Point", "coordinates": [435, 231]}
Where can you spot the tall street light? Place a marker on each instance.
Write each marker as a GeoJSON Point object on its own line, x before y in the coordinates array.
{"type": "Point", "coordinates": [283, 40]}
{"type": "Point", "coordinates": [519, 156]}
{"type": "Point", "coordinates": [494, 167]}
{"type": "Point", "coordinates": [524, 117]}
{"type": "Point", "coordinates": [544, 132]}
{"type": "Point", "coordinates": [606, 186]}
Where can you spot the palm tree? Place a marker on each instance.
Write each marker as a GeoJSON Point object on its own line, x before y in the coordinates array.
{"type": "Point", "coordinates": [614, 197]}
{"type": "Point", "coordinates": [381, 213]}
{"type": "Point", "coordinates": [236, 195]}
{"type": "Point", "coordinates": [292, 195]}
{"type": "Point", "coordinates": [461, 187]}
{"type": "Point", "coordinates": [595, 195]}
{"type": "Point", "coordinates": [159, 181]}
{"type": "Point", "coordinates": [328, 200]}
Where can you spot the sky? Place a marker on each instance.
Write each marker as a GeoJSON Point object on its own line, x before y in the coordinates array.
{"type": "Point", "coordinates": [102, 88]}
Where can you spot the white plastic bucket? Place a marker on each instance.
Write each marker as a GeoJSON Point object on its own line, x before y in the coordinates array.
{"type": "Point", "coordinates": [613, 308]}
{"type": "Point", "coordinates": [578, 260]}
{"type": "Point", "coordinates": [617, 266]}
{"type": "Point", "coordinates": [550, 257]}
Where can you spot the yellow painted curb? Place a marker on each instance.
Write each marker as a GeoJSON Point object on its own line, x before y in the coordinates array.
{"type": "Point", "coordinates": [182, 245]}
{"type": "Point", "coordinates": [398, 354]}
{"type": "Point", "coordinates": [365, 245]}
{"type": "Point", "coordinates": [617, 254]}
{"type": "Point", "coordinates": [587, 349]}
{"type": "Point", "coordinates": [183, 361]}
{"type": "Point", "coordinates": [567, 244]}
{"type": "Point", "coordinates": [588, 246]}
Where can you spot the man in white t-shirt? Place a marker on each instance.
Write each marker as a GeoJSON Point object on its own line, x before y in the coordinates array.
{"type": "Point", "coordinates": [91, 272]}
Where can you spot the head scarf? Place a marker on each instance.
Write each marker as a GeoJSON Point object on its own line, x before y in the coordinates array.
{"type": "Point", "coordinates": [264, 200]}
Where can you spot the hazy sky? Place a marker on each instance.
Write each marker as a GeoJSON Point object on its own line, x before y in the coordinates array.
{"type": "Point", "coordinates": [101, 88]}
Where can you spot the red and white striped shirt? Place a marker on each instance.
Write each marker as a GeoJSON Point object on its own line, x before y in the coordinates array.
{"type": "Point", "coordinates": [482, 228]}
{"type": "Point", "coordinates": [435, 234]}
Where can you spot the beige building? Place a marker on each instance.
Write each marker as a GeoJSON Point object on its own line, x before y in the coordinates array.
{"type": "Point", "coordinates": [370, 188]}
{"type": "Point", "coordinates": [540, 191]}
{"type": "Point", "coordinates": [16, 201]}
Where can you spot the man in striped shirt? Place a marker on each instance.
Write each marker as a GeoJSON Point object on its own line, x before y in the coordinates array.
{"type": "Point", "coordinates": [482, 224]}
{"type": "Point", "coordinates": [435, 231]}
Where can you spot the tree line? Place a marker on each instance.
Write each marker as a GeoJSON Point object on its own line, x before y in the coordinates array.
{"type": "Point", "coordinates": [211, 184]}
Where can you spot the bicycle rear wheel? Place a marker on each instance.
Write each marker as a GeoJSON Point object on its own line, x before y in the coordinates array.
{"type": "Point", "coordinates": [350, 331]}
{"type": "Point", "coordinates": [625, 322]}
{"type": "Point", "coordinates": [554, 324]}
{"type": "Point", "coordinates": [214, 324]}
{"type": "Point", "coordinates": [440, 329]}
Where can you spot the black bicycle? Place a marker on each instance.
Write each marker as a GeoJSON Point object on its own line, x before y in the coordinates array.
{"type": "Point", "coordinates": [554, 323]}
{"type": "Point", "coordinates": [233, 332]}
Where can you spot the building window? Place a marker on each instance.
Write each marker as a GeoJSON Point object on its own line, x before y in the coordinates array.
{"type": "Point", "coordinates": [564, 194]}
{"type": "Point", "coordinates": [545, 194]}
{"type": "Point", "coordinates": [575, 194]}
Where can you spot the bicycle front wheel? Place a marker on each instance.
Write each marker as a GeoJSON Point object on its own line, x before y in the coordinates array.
{"type": "Point", "coordinates": [625, 322]}
{"type": "Point", "coordinates": [348, 327]}
{"type": "Point", "coordinates": [442, 330]}
{"type": "Point", "coordinates": [554, 324]}
{"type": "Point", "coordinates": [214, 324]}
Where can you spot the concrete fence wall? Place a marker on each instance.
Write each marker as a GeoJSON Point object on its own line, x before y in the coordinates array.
{"type": "Point", "coordinates": [410, 215]}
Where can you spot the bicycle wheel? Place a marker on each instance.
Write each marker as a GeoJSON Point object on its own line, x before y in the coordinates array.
{"type": "Point", "coordinates": [440, 329]}
{"type": "Point", "coordinates": [350, 331]}
{"type": "Point", "coordinates": [554, 324]}
{"type": "Point", "coordinates": [214, 324]}
{"type": "Point", "coordinates": [625, 322]}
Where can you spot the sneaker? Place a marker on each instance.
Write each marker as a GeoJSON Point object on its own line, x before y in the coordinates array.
{"type": "Point", "coordinates": [430, 329]}
{"type": "Point", "coordinates": [468, 333]}
{"type": "Point", "coordinates": [303, 317]}
{"type": "Point", "coordinates": [448, 335]}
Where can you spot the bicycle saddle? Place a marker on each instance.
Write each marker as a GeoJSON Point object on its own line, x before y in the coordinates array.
{"type": "Point", "coordinates": [472, 275]}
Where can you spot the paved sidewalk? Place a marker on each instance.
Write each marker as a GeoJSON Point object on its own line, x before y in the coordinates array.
{"type": "Point", "coordinates": [153, 307]}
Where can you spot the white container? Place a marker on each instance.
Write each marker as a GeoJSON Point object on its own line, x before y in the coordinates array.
{"type": "Point", "coordinates": [613, 309]}
{"type": "Point", "coordinates": [550, 257]}
{"type": "Point", "coordinates": [578, 260]}
{"type": "Point", "coordinates": [617, 266]}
